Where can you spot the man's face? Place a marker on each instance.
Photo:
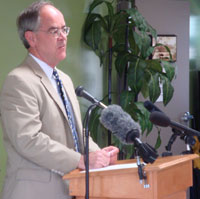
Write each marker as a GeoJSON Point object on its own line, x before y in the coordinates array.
{"type": "Point", "coordinates": [46, 46]}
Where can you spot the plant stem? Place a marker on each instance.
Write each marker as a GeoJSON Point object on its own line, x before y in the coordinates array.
{"type": "Point", "coordinates": [110, 70]}
{"type": "Point", "coordinates": [109, 80]}
{"type": "Point", "coordinates": [126, 46]}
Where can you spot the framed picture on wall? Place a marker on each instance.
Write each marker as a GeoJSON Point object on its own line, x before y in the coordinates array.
{"type": "Point", "coordinates": [160, 52]}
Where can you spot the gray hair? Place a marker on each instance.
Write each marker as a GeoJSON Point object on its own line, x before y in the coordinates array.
{"type": "Point", "coordinates": [29, 19]}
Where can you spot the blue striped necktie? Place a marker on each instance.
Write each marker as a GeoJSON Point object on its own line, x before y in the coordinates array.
{"type": "Point", "coordinates": [67, 108]}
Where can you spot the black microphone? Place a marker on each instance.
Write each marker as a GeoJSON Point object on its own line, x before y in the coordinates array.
{"type": "Point", "coordinates": [126, 130]}
{"type": "Point", "coordinates": [151, 107]}
{"type": "Point", "coordinates": [160, 119]}
{"type": "Point", "coordinates": [81, 92]}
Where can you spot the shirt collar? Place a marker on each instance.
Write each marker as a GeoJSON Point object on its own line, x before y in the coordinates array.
{"type": "Point", "coordinates": [45, 67]}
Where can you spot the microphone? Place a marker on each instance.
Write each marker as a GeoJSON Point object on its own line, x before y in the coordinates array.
{"type": "Point", "coordinates": [126, 130]}
{"type": "Point", "coordinates": [151, 107]}
{"type": "Point", "coordinates": [160, 119]}
{"type": "Point", "coordinates": [120, 124]}
{"type": "Point", "coordinates": [81, 92]}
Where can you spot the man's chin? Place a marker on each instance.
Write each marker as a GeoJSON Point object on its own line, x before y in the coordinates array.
{"type": "Point", "coordinates": [62, 57]}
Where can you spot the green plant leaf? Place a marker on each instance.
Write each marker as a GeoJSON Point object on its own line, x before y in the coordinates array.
{"type": "Point", "coordinates": [168, 91]}
{"type": "Point", "coordinates": [136, 74]}
{"type": "Point", "coordinates": [154, 66]}
{"type": "Point", "coordinates": [158, 141]}
{"type": "Point", "coordinates": [120, 47]}
{"type": "Point", "coordinates": [143, 42]}
{"type": "Point", "coordinates": [166, 48]}
{"type": "Point", "coordinates": [109, 18]}
{"type": "Point", "coordinates": [145, 86]}
{"type": "Point", "coordinates": [169, 69]}
{"type": "Point", "coordinates": [140, 22]}
{"type": "Point", "coordinates": [142, 123]}
{"type": "Point", "coordinates": [146, 45]}
{"type": "Point", "coordinates": [121, 61]}
{"type": "Point", "coordinates": [94, 123]}
{"type": "Point", "coordinates": [92, 18]}
{"type": "Point", "coordinates": [126, 98]}
{"type": "Point", "coordinates": [110, 8]}
{"type": "Point", "coordinates": [118, 33]}
{"type": "Point", "coordinates": [134, 111]}
{"type": "Point", "coordinates": [138, 40]}
{"type": "Point", "coordinates": [97, 131]}
{"type": "Point", "coordinates": [154, 87]}
{"type": "Point", "coordinates": [143, 118]}
{"type": "Point", "coordinates": [119, 22]}
{"type": "Point", "coordinates": [132, 41]}
{"type": "Point", "coordinates": [93, 36]}
{"type": "Point", "coordinates": [149, 126]}
{"type": "Point", "coordinates": [94, 4]}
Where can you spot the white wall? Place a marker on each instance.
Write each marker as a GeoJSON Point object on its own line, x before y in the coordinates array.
{"type": "Point", "coordinates": [172, 17]}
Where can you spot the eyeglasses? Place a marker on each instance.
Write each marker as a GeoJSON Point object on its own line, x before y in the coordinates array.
{"type": "Point", "coordinates": [56, 32]}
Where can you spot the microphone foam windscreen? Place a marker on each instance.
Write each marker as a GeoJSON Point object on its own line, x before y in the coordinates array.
{"type": "Point", "coordinates": [119, 122]}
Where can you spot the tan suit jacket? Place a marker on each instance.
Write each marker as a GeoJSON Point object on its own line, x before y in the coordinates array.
{"type": "Point", "coordinates": [37, 136]}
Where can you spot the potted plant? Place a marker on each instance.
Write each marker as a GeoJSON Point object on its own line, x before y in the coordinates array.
{"type": "Point", "coordinates": [122, 40]}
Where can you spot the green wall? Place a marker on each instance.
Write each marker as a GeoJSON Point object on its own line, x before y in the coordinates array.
{"type": "Point", "coordinates": [81, 64]}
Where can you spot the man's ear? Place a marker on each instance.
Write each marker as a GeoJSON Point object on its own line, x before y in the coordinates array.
{"type": "Point", "coordinates": [30, 37]}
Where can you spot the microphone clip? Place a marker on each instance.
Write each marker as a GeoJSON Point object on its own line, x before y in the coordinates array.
{"type": "Point", "coordinates": [146, 151]}
{"type": "Point", "coordinates": [141, 172]}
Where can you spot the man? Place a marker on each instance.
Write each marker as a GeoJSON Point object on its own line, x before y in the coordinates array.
{"type": "Point", "coordinates": [42, 132]}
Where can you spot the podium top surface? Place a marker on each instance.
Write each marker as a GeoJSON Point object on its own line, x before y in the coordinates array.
{"type": "Point", "coordinates": [166, 162]}
{"type": "Point", "coordinates": [160, 164]}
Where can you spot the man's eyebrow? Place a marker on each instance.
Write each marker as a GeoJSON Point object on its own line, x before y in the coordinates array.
{"type": "Point", "coordinates": [54, 27]}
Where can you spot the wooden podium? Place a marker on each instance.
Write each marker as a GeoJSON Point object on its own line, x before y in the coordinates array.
{"type": "Point", "coordinates": [168, 177]}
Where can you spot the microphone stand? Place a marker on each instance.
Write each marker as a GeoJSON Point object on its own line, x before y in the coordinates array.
{"type": "Point", "coordinates": [141, 172]}
{"type": "Point", "coordinates": [148, 155]}
{"type": "Point", "coordinates": [189, 141]}
{"type": "Point", "coordinates": [170, 142]}
{"type": "Point", "coordinates": [86, 148]}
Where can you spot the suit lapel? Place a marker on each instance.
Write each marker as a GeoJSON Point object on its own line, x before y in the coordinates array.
{"type": "Point", "coordinates": [54, 95]}
{"type": "Point", "coordinates": [46, 83]}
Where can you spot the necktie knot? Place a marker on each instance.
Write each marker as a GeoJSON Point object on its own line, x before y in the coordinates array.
{"type": "Point", "coordinates": [55, 73]}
